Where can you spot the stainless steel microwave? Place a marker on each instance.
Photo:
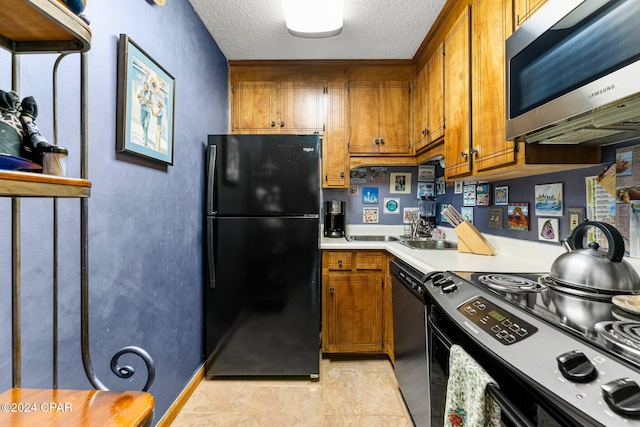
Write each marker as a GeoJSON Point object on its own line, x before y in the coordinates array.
{"type": "Point", "coordinates": [573, 74]}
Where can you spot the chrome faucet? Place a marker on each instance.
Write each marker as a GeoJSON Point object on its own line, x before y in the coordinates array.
{"type": "Point", "coordinates": [416, 226]}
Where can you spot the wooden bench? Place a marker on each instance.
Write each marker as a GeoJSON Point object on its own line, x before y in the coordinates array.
{"type": "Point", "coordinates": [28, 407]}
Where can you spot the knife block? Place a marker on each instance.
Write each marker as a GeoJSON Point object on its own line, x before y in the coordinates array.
{"type": "Point", "coordinates": [470, 240]}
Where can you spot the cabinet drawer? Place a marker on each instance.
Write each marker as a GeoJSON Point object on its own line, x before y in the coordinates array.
{"type": "Point", "coordinates": [340, 261]}
{"type": "Point", "coordinates": [369, 261]}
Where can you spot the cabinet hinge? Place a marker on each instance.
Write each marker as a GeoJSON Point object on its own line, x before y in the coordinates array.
{"type": "Point", "coordinates": [233, 87]}
{"type": "Point", "coordinates": [444, 124]}
{"type": "Point", "coordinates": [323, 128]}
{"type": "Point", "coordinates": [348, 145]}
{"type": "Point", "coordinates": [409, 144]}
{"type": "Point", "coordinates": [348, 89]}
{"type": "Point", "coordinates": [409, 87]}
{"type": "Point", "coordinates": [516, 145]}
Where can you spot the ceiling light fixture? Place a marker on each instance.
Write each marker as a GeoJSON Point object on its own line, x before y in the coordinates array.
{"type": "Point", "coordinates": [313, 18]}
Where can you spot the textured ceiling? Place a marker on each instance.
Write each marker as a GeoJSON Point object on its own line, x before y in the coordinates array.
{"type": "Point", "coordinates": [373, 29]}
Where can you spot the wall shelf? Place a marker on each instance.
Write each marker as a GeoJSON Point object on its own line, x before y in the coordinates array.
{"type": "Point", "coordinates": [30, 26]}
{"type": "Point", "coordinates": [27, 184]}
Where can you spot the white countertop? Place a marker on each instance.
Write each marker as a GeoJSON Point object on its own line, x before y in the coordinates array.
{"type": "Point", "coordinates": [512, 255]}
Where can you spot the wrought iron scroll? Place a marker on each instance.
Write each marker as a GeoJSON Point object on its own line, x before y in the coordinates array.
{"type": "Point", "coordinates": [121, 371]}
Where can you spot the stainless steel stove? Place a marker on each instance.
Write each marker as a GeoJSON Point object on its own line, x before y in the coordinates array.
{"type": "Point", "coordinates": [579, 354]}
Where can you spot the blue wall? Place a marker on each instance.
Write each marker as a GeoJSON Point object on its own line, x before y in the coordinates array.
{"type": "Point", "coordinates": [145, 222]}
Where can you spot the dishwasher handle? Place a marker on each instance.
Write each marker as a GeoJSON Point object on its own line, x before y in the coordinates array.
{"type": "Point", "coordinates": [508, 408]}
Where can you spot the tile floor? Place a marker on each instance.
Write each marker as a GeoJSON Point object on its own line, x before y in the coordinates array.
{"type": "Point", "coordinates": [348, 393]}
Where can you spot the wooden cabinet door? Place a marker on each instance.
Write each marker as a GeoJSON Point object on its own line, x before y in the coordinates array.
{"type": "Point", "coordinates": [435, 96]}
{"type": "Point", "coordinates": [363, 118]}
{"type": "Point", "coordinates": [488, 32]}
{"type": "Point", "coordinates": [457, 107]}
{"type": "Point", "coordinates": [335, 155]}
{"type": "Point", "coordinates": [523, 9]}
{"type": "Point", "coordinates": [393, 121]}
{"type": "Point", "coordinates": [254, 107]}
{"type": "Point", "coordinates": [420, 100]}
{"type": "Point", "coordinates": [354, 313]}
{"type": "Point", "coordinates": [302, 110]}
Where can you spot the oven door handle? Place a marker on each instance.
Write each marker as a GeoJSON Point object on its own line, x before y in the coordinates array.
{"type": "Point", "coordinates": [510, 411]}
{"type": "Point", "coordinates": [513, 413]}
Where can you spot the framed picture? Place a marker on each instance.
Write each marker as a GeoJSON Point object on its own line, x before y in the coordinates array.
{"type": "Point", "coordinates": [457, 188]}
{"type": "Point", "coordinates": [370, 215]}
{"type": "Point", "coordinates": [549, 199]}
{"type": "Point", "coordinates": [358, 175]}
{"type": "Point", "coordinates": [426, 172]}
{"type": "Point", "coordinates": [370, 195]}
{"type": "Point", "coordinates": [145, 105]}
{"type": "Point", "coordinates": [400, 183]}
{"type": "Point", "coordinates": [469, 195]}
{"type": "Point", "coordinates": [518, 216]}
{"type": "Point", "coordinates": [467, 213]}
{"type": "Point", "coordinates": [426, 189]}
{"type": "Point", "coordinates": [501, 195]}
{"type": "Point", "coordinates": [378, 174]}
{"type": "Point", "coordinates": [391, 205]}
{"type": "Point", "coordinates": [483, 194]}
{"type": "Point", "coordinates": [548, 229]}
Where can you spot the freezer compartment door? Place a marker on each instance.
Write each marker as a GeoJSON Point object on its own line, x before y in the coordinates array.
{"type": "Point", "coordinates": [262, 309]}
{"type": "Point", "coordinates": [256, 175]}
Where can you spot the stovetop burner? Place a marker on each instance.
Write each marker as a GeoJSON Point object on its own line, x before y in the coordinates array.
{"type": "Point", "coordinates": [621, 335]}
{"type": "Point", "coordinates": [510, 283]}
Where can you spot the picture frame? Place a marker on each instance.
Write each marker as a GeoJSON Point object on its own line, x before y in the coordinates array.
{"type": "Point", "coordinates": [145, 105]}
{"type": "Point", "coordinates": [426, 189]}
{"type": "Point", "coordinates": [501, 195]}
{"type": "Point", "coordinates": [426, 173]}
{"type": "Point", "coordinates": [549, 200]}
{"type": "Point", "coordinates": [483, 194]}
{"type": "Point", "coordinates": [518, 216]}
{"type": "Point", "coordinates": [391, 205]}
{"type": "Point", "coordinates": [400, 183]}
{"type": "Point", "coordinates": [548, 229]}
{"type": "Point", "coordinates": [370, 195]}
{"type": "Point", "coordinates": [370, 215]}
{"type": "Point", "coordinates": [469, 195]}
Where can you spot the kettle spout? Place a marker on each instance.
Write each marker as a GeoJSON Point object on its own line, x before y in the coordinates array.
{"type": "Point", "coordinates": [565, 244]}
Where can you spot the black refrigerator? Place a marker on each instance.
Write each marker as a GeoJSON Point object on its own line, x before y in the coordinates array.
{"type": "Point", "coordinates": [262, 290]}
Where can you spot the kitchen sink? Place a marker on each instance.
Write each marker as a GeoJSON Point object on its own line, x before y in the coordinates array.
{"type": "Point", "coordinates": [429, 244]}
{"type": "Point", "coordinates": [372, 238]}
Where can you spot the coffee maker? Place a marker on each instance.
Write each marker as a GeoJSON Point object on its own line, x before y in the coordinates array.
{"type": "Point", "coordinates": [334, 211]}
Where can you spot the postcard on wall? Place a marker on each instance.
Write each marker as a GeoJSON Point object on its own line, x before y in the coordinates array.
{"type": "Point", "coordinates": [483, 194]}
{"type": "Point", "coordinates": [426, 172]}
{"type": "Point", "coordinates": [548, 229]}
{"type": "Point", "coordinates": [457, 187]}
{"type": "Point", "coordinates": [358, 175]}
{"type": "Point", "coordinates": [370, 215]}
{"type": "Point", "coordinates": [634, 228]}
{"type": "Point", "coordinates": [370, 195]}
{"type": "Point", "coordinates": [378, 174]}
{"type": "Point", "coordinates": [391, 205]}
{"type": "Point", "coordinates": [469, 195]}
{"type": "Point", "coordinates": [441, 186]}
{"type": "Point", "coordinates": [548, 199]}
{"type": "Point", "coordinates": [601, 206]}
{"type": "Point", "coordinates": [442, 209]}
{"type": "Point", "coordinates": [409, 215]}
{"type": "Point", "coordinates": [426, 189]}
{"type": "Point", "coordinates": [501, 195]}
{"type": "Point", "coordinates": [400, 183]}
{"type": "Point", "coordinates": [518, 216]}
{"type": "Point", "coordinates": [353, 190]}
{"type": "Point", "coordinates": [467, 214]}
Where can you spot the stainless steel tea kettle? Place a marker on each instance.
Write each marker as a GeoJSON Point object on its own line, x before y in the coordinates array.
{"type": "Point", "coordinates": [592, 270]}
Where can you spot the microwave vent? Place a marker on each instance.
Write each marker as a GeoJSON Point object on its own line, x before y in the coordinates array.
{"type": "Point", "coordinates": [580, 136]}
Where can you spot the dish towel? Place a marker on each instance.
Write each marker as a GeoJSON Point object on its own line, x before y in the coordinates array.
{"type": "Point", "coordinates": [467, 402]}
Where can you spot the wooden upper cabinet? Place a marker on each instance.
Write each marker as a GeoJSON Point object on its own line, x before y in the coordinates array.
{"type": "Point", "coordinates": [303, 109]}
{"type": "Point", "coordinates": [335, 156]}
{"type": "Point", "coordinates": [457, 108]}
{"type": "Point", "coordinates": [254, 107]}
{"type": "Point", "coordinates": [489, 27]}
{"type": "Point", "coordinates": [523, 9]}
{"type": "Point", "coordinates": [378, 118]}
{"type": "Point", "coordinates": [429, 102]}
{"type": "Point", "coordinates": [278, 107]}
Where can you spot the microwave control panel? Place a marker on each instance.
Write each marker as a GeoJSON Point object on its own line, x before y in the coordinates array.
{"type": "Point", "coordinates": [497, 322]}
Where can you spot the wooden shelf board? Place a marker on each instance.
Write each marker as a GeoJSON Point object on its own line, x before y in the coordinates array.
{"type": "Point", "coordinates": [42, 26]}
{"type": "Point", "coordinates": [27, 184]}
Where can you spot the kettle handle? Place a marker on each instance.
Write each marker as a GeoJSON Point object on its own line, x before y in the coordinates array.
{"type": "Point", "coordinates": [616, 242]}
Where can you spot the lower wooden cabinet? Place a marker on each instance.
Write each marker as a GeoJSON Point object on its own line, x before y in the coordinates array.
{"type": "Point", "coordinates": [353, 301]}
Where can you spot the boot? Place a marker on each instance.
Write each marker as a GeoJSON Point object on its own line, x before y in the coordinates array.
{"type": "Point", "coordinates": [33, 143]}
{"type": "Point", "coordinates": [11, 130]}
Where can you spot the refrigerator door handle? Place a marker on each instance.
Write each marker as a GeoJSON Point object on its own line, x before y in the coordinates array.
{"type": "Point", "coordinates": [211, 174]}
{"type": "Point", "coordinates": [211, 259]}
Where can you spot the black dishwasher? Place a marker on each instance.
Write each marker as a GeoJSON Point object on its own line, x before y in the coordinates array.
{"type": "Point", "coordinates": [411, 363]}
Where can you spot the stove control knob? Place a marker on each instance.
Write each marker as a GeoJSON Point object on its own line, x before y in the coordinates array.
{"type": "Point", "coordinates": [576, 367]}
{"type": "Point", "coordinates": [449, 287]}
{"type": "Point", "coordinates": [623, 396]}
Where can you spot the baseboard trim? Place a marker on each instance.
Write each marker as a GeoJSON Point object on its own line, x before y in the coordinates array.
{"type": "Point", "coordinates": [182, 398]}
